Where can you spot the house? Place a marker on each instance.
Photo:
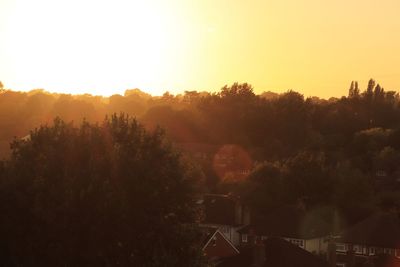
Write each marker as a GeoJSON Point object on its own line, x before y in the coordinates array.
{"type": "Point", "coordinates": [385, 261]}
{"type": "Point", "coordinates": [370, 239]}
{"type": "Point", "coordinates": [291, 223]}
{"type": "Point", "coordinates": [216, 246]}
{"type": "Point", "coordinates": [225, 213]}
{"type": "Point", "coordinates": [274, 252]}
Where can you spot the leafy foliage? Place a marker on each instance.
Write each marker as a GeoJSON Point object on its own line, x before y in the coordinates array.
{"type": "Point", "coordinates": [109, 194]}
{"type": "Point", "coordinates": [341, 152]}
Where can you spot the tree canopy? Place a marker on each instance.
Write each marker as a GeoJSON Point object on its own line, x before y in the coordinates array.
{"type": "Point", "coordinates": [107, 194]}
{"type": "Point", "coordinates": [340, 152]}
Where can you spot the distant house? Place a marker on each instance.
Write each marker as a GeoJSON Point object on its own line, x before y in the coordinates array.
{"type": "Point", "coordinates": [274, 252]}
{"type": "Point", "coordinates": [216, 246]}
{"type": "Point", "coordinates": [369, 239]}
{"type": "Point", "coordinates": [225, 213]}
{"type": "Point", "coordinates": [291, 224]}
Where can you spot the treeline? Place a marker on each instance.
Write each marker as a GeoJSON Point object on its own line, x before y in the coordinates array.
{"type": "Point", "coordinates": [341, 152]}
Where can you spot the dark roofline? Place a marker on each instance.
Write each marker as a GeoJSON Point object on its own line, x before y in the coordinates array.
{"type": "Point", "coordinates": [289, 221]}
{"type": "Point", "coordinates": [223, 236]}
{"type": "Point", "coordinates": [291, 254]}
{"type": "Point", "coordinates": [379, 230]}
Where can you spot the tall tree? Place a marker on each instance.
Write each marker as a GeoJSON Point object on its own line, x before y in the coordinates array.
{"type": "Point", "coordinates": [351, 89]}
{"type": "Point", "coordinates": [97, 195]}
{"type": "Point", "coordinates": [370, 87]}
{"type": "Point", "coordinates": [379, 93]}
{"type": "Point", "coordinates": [356, 89]}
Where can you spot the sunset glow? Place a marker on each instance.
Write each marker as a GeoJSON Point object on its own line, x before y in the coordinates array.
{"type": "Point", "coordinates": [105, 47]}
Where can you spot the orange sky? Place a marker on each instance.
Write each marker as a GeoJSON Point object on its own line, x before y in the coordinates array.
{"type": "Point", "coordinates": [104, 47]}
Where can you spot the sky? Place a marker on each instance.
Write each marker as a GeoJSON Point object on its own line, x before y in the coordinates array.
{"type": "Point", "coordinates": [104, 47]}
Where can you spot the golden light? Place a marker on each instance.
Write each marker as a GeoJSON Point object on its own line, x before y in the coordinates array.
{"type": "Point", "coordinates": [103, 47]}
{"type": "Point", "coordinates": [107, 46]}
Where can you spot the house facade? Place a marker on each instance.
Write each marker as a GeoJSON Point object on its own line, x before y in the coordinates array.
{"type": "Point", "coordinates": [226, 213]}
{"type": "Point", "coordinates": [376, 237]}
{"type": "Point", "coordinates": [316, 245]}
{"type": "Point", "coordinates": [291, 224]}
{"type": "Point", "coordinates": [216, 246]}
{"type": "Point", "coordinates": [274, 252]}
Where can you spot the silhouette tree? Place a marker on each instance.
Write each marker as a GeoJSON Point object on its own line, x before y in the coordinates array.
{"type": "Point", "coordinates": [354, 92]}
{"type": "Point", "coordinates": [97, 195]}
{"type": "Point", "coordinates": [356, 89]}
{"type": "Point", "coordinates": [379, 93]}
{"type": "Point", "coordinates": [351, 89]}
{"type": "Point", "coordinates": [237, 90]}
{"type": "Point", "coordinates": [370, 87]}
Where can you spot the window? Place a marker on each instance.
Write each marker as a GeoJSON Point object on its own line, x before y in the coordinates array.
{"type": "Point", "coordinates": [340, 264]}
{"type": "Point", "coordinates": [358, 249]}
{"type": "Point", "coordinates": [225, 229]}
{"type": "Point", "coordinates": [340, 247]}
{"type": "Point", "coordinates": [244, 238]}
{"type": "Point", "coordinates": [297, 242]}
{"type": "Point", "coordinates": [372, 251]}
{"type": "Point", "coordinates": [387, 251]}
{"type": "Point", "coordinates": [214, 241]}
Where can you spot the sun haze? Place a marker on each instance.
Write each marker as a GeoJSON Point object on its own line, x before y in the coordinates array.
{"type": "Point", "coordinates": [104, 47]}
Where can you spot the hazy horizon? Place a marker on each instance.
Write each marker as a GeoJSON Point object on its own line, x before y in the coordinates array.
{"type": "Point", "coordinates": [104, 47]}
{"type": "Point", "coordinates": [177, 93]}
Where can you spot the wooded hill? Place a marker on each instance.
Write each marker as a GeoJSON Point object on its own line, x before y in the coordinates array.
{"type": "Point", "coordinates": [341, 152]}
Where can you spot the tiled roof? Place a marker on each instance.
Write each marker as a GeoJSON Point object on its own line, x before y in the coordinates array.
{"type": "Point", "coordinates": [289, 221]}
{"type": "Point", "coordinates": [219, 209]}
{"type": "Point", "coordinates": [381, 230]}
{"type": "Point", "coordinates": [207, 233]}
{"type": "Point", "coordinates": [278, 253]}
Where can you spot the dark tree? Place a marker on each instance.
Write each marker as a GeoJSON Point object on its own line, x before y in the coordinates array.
{"type": "Point", "coordinates": [354, 92]}
{"type": "Point", "coordinates": [351, 89]}
{"type": "Point", "coordinates": [370, 87]}
{"type": "Point", "coordinates": [264, 189]}
{"type": "Point", "coordinates": [97, 195]}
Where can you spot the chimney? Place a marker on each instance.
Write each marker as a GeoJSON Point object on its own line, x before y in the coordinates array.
{"type": "Point", "coordinates": [246, 215]}
{"type": "Point", "coordinates": [259, 255]}
{"type": "Point", "coordinates": [238, 212]}
{"type": "Point", "coordinates": [332, 253]}
{"type": "Point", "coordinates": [351, 258]}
